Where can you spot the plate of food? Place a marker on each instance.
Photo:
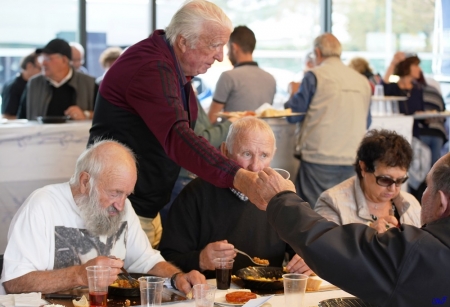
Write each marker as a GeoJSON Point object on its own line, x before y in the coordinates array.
{"type": "Point", "coordinates": [122, 287]}
{"type": "Point", "coordinates": [275, 113]}
{"type": "Point", "coordinates": [267, 113]}
{"type": "Point", "coordinates": [235, 298]}
{"type": "Point", "coordinates": [236, 114]}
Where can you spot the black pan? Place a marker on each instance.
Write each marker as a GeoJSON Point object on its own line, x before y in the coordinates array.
{"type": "Point", "coordinates": [261, 272]}
{"type": "Point", "coordinates": [116, 291]}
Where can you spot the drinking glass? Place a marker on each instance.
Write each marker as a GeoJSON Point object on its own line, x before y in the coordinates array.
{"type": "Point", "coordinates": [223, 272]}
{"type": "Point", "coordinates": [294, 289]}
{"type": "Point", "coordinates": [151, 290]}
{"type": "Point", "coordinates": [98, 280]}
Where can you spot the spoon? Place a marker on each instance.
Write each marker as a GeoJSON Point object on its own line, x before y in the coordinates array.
{"type": "Point", "coordinates": [251, 259]}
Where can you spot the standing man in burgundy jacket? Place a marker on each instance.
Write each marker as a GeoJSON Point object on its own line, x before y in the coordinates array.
{"type": "Point", "coordinates": [146, 101]}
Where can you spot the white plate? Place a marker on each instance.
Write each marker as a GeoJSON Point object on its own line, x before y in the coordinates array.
{"type": "Point", "coordinates": [389, 98]}
{"type": "Point", "coordinates": [223, 302]}
{"type": "Point", "coordinates": [426, 115]}
{"type": "Point", "coordinates": [235, 114]}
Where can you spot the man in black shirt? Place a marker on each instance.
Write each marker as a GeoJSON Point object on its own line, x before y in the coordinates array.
{"type": "Point", "coordinates": [13, 89]}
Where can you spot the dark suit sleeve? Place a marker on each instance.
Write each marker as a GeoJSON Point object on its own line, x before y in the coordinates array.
{"type": "Point", "coordinates": [350, 256]}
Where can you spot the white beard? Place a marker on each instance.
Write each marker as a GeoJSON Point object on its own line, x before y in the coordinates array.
{"type": "Point", "coordinates": [97, 220]}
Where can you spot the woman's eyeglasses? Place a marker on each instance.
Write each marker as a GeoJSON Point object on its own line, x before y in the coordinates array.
{"type": "Point", "coordinates": [386, 181]}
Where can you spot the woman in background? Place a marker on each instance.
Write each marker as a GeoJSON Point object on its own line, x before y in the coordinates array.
{"type": "Point", "coordinates": [374, 196]}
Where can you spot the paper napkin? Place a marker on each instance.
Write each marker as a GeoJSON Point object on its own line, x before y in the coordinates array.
{"type": "Point", "coordinates": [257, 301]}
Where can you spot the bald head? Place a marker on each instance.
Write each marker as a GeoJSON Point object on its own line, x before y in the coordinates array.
{"type": "Point", "coordinates": [104, 158]}
{"type": "Point", "coordinates": [327, 45]}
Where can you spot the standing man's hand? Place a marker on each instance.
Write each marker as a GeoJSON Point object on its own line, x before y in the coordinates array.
{"type": "Point", "coordinates": [219, 249]}
{"type": "Point", "coordinates": [261, 187]}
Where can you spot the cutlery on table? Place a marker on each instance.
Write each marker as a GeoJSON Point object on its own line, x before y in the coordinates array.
{"type": "Point", "coordinates": [245, 254]}
{"type": "Point", "coordinates": [59, 296]}
{"type": "Point", "coordinates": [133, 281]}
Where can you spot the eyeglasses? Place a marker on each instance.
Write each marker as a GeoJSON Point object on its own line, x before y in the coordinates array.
{"type": "Point", "coordinates": [386, 181]}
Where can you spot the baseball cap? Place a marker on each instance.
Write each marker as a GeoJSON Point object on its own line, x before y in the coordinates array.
{"type": "Point", "coordinates": [56, 45]}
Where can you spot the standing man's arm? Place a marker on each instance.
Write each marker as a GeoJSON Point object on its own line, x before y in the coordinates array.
{"type": "Point", "coordinates": [300, 100]}
{"type": "Point", "coordinates": [215, 108]}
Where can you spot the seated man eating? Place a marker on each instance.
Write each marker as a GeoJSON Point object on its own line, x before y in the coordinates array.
{"type": "Point", "coordinates": [63, 228]}
{"type": "Point", "coordinates": [206, 222]}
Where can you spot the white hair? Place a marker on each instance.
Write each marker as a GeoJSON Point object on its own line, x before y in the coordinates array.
{"type": "Point", "coordinates": [328, 45]}
{"type": "Point", "coordinates": [245, 124]}
{"type": "Point", "coordinates": [79, 47]}
{"type": "Point", "coordinates": [92, 162]}
{"type": "Point", "coordinates": [189, 21]}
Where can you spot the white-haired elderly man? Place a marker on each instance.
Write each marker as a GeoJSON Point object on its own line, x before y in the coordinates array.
{"type": "Point", "coordinates": [78, 57]}
{"type": "Point", "coordinates": [336, 101]}
{"type": "Point", "coordinates": [63, 228]}
{"type": "Point", "coordinates": [146, 101]}
{"type": "Point", "coordinates": [206, 222]}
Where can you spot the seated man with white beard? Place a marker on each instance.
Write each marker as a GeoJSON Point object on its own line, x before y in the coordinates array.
{"type": "Point", "coordinates": [63, 228]}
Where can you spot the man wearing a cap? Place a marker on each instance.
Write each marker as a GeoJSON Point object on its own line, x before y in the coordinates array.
{"type": "Point", "coordinates": [60, 90]}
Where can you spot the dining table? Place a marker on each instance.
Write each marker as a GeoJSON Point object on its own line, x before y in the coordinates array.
{"type": "Point", "coordinates": [311, 299]}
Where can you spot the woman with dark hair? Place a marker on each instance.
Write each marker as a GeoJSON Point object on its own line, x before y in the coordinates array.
{"type": "Point", "coordinates": [406, 67]}
{"type": "Point", "coordinates": [374, 197]}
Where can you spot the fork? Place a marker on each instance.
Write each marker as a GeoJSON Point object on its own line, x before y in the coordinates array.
{"type": "Point", "coordinates": [251, 259]}
{"type": "Point", "coordinates": [133, 281]}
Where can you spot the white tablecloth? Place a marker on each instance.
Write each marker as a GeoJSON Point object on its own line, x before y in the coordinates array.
{"type": "Point", "coordinates": [33, 155]}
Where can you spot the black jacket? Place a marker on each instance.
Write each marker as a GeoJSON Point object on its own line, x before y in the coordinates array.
{"type": "Point", "coordinates": [403, 267]}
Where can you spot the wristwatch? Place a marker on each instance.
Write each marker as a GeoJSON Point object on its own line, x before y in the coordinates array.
{"type": "Point", "coordinates": [172, 280]}
{"type": "Point", "coordinates": [87, 114]}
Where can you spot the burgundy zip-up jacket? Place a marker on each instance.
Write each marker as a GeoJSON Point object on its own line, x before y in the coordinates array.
{"type": "Point", "coordinates": [147, 103]}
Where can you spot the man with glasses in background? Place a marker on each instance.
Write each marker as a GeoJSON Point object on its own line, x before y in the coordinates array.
{"type": "Point", "coordinates": [60, 90]}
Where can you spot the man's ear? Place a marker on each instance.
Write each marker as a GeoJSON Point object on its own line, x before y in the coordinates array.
{"type": "Point", "coordinates": [84, 182]}
{"type": "Point", "coordinates": [223, 149]}
{"type": "Point", "coordinates": [235, 48]}
{"type": "Point", "coordinates": [181, 43]}
{"type": "Point", "coordinates": [444, 209]}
